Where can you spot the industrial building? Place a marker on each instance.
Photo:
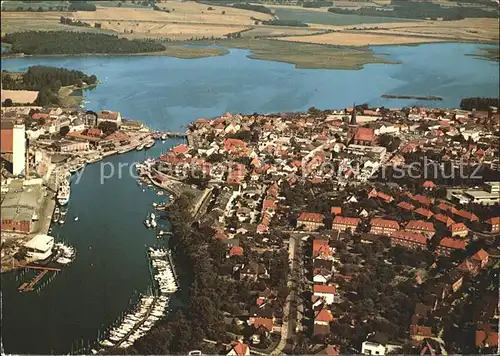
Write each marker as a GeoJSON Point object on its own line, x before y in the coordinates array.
{"type": "Point", "coordinates": [13, 146]}
{"type": "Point", "coordinates": [19, 207]}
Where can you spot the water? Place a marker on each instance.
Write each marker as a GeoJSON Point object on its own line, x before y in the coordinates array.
{"type": "Point", "coordinates": [168, 93]}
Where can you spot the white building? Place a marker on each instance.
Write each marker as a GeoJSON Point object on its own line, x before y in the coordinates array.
{"type": "Point", "coordinates": [372, 348]}
{"type": "Point", "coordinates": [19, 149]}
{"type": "Point", "coordinates": [39, 247]}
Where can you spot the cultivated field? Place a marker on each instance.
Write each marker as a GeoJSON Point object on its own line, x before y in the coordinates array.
{"type": "Point", "coordinates": [19, 96]}
{"type": "Point", "coordinates": [185, 12]}
{"type": "Point", "coordinates": [469, 30]}
{"type": "Point", "coordinates": [273, 31]}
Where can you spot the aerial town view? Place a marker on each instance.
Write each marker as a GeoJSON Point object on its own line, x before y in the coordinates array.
{"type": "Point", "coordinates": [267, 177]}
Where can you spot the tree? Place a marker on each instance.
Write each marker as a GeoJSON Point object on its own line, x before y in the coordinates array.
{"type": "Point", "coordinates": [223, 12]}
{"type": "Point", "coordinates": [63, 131]}
{"type": "Point", "coordinates": [119, 4]}
{"type": "Point", "coordinates": [8, 102]}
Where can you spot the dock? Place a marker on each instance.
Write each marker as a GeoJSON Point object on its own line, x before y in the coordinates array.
{"type": "Point", "coordinates": [29, 286]}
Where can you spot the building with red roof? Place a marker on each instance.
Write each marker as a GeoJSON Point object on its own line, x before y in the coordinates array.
{"type": "Point", "coordinates": [236, 251]}
{"type": "Point", "coordinates": [336, 210]}
{"type": "Point", "coordinates": [406, 206]}
{"type": "Point", "coordinates": [459, 229]}
{"type": "Point", "coordinates": [239, 349]}
{"type": "Point", "coordinates": [266, 323]}
{"type": "Point", "coordinates": [235, 146]}
{"type": "Point", "coordinates": [422, 227]}
{"type": "Point", "coordinates": [429, 185]}
{"type": "Point", "coordinates": [487, 339]}
{"type": "Point", "coordinates": [364, 136]}
{"type": "Point", "coordinates": [481, 257]}
{"type": "Point", "coordinates": [424, 212]}
{"type": "Point", "coordinates": [310, 221]}
{"type": "Point", "coordinates": [341, 223]}
{"type": "Point", "coordinates": [448, 244]}
{"type": "Point", "coordinates": [182, 148]}
{"type": "Point", "coordinates": [383, 227]}
{"type": "Point", "coordinates": [323, 317]}
{"type": "Point", "coordinates": [408, 239]}
{"type": "Point", "coordinates": [494, 224]}
{"type": "Point", "coordinates": [325, 291]}
{"type": "Point", "coordinates": [322, 250]}
{"type": "Point", "coordinates": [444, 219]}
{"type": "Point", "coordinates": [466, 215]}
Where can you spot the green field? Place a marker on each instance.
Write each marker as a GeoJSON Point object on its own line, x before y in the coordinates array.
{"type": "Point", "coordinates": [45, 5]}
{"type": "Point", "coordinates": [329, 18]}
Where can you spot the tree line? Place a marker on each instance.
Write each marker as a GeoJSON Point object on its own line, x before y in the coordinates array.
{"type": "Point", "coordinates": [47, 81]}
{"type": "Point", "coordinates": [71, 22]}
{"type": "Point", "coordinates": [294, 23]}
{"type": "Point", "coordinates": [317, 4]}
{"type": "Point", "coordinates": [479, 103]}
{"type": "Point", "coordinates": [257, 8]}
{"type": "Point", "coordinates": [426, 10]}
{"type": "Point", "coordinates": [63, 42]}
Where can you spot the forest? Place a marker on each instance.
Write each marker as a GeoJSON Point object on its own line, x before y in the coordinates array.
{"type": "Point", "coordinates": [317, 4]}
{"type": "Point", "coordinates": [479, 103]}
{"type": "Point", "coordinates": [62, 42]}
{"type": "Point", "coordinates": [47, 80]}
{"type": "Point", "coordinates": [81, 6]}
{"type": "Point", "coordinates": [419, 10]}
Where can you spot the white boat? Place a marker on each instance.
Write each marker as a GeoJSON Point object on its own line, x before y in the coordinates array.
{"type": "Point", "coordinates": [147, 223]}
{"type": "Point", "coordinates": [106, 343]}
{"type": "Point", "coordinates": [153, 223]}
{"type": "Point", "coordinates": [63, 194]}
{"type": "Point", "coordinates": [164, 137]}
{"type": "Point", "coordinates": [153, 216]}
{"type": "Point", "coordinates": [76, 218]}
{"type": "Point", "coordinates": [149, 144]}
{"type": "Point", "coordinates": [140, 147]}
{"type": "Point", "coordinates": [63, 260]}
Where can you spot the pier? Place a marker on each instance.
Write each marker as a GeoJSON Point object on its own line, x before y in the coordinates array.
{"type": "Point", "coordinates": [29, 286]}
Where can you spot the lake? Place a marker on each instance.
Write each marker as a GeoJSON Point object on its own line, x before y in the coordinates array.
{"type": "Point", "coordinates": [167, 93]}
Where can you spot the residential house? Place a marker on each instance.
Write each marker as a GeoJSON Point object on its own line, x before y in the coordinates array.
{"type": "Point", "coordinates": [326, 292]}
{"type": "Point", "coordinates": [238, 349]}
{"type": "Point", "coordinates": [446, 220]}
{"type": "Point", "coordinates": [310, 221]}
{"type": "Point", "coordinates": [459, 229]}
{"type": "Point", "coordinates": [383, 227]}
{"type": "Point", "coordinates": [494, 224]}
{"type": "Point", "coordinates": [481, 258]}
{"type": "Point", "coordinates": [487, 339]}
{"type": "Point", "coordinates": [253, 271]}
{"type": "Point", "coordinates": [375, 344]}
{"type": "Point", "coordinates": [406, 206]}
{"type": "Point", "coordinates": [341, 223]}
{"type": "Point", "coordinates": [424, 212]}
{"type": "Point", "coordinates": [322, 250]}
{"type": "Point", "coordinates": [419, 332]}
{"type": "Point", "coordinates": [322, 321]}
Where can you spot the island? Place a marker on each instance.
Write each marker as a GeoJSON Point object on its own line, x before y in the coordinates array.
{"type": "Point", "coordinates": [416, 97]}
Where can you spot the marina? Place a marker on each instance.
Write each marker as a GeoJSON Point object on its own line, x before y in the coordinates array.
{"type": "Point", "coordinates": [149, 309]}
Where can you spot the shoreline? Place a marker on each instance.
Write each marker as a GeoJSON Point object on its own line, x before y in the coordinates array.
{"type": "Point", "coordinates": [261, 49]}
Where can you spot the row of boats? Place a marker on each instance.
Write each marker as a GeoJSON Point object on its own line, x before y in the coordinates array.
{"type": "Point", "coordinates": [149, 309]}
{"type": "Point", "coordinates": [145, 145]}
{"type": "Point", "coordinates": [151, 221]}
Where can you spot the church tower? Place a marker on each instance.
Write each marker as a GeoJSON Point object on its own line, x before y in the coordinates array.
{"type": "Point", "coordinates": [353, 115]}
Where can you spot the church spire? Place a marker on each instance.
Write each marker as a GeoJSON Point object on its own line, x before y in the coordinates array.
{"type": "Point", "coordinates": [353, 114]}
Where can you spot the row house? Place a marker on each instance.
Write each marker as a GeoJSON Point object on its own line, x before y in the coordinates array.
{"type": "Point", "coordinates": [376, 194]}
{"type": "Point", "coordinates": [424, 212]}
{"type": "Point", "coordinates": [383, 227]}
{"type": "Point", "coordinates": [445, 219]}
{"type": "Point", "coordinates": [475, 263]}
{"type": "Point", "coordinates": [406, 206]}
{"type": "Point", "coordinates": [310, 221]}
{"type": "Point", "coordinates": [422, 227]}
{"type": "Point", "coordinates": [448, 244]}
{"type": "Point", "coordinates": [408, 239]}
{"type": "Point", "coordinates": [341, 223]}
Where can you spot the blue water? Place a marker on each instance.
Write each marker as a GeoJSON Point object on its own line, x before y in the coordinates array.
{"type": "Point", "coordinates": [168, 93]}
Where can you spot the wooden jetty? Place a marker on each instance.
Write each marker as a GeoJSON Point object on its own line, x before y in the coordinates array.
{"type": "Point", "coordinates": [29, 286]}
